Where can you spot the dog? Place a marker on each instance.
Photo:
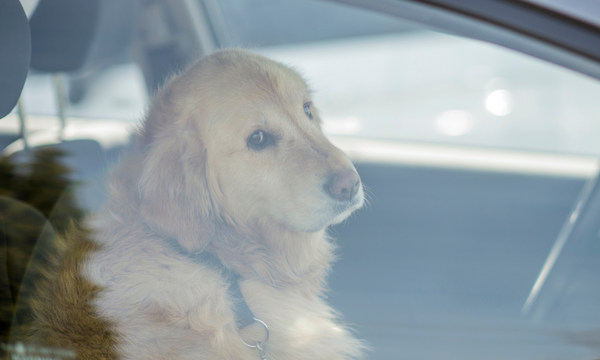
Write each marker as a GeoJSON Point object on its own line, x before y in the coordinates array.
{"type": "Point", "coordinates": [229, 161]}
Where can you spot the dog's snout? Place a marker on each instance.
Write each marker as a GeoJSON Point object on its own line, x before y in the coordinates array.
{"type": "Point", "coordinates": [344, 185]}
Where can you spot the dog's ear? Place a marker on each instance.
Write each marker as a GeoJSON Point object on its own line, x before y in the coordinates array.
{"type": "Point", "coordinates": [175, 199]}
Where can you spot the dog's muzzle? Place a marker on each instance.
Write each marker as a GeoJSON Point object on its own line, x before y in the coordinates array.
{"type": "Point", "coordinates": [344, 185]}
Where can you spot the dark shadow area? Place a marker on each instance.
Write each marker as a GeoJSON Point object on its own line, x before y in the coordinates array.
{"type": "Point", "coordinates": [37, 200]}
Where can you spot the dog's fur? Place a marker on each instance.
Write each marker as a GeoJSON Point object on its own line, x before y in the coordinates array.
{"type": "Point", "coordinates": [194, 184]}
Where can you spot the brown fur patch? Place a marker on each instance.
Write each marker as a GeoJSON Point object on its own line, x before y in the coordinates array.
{"type": "Point", "coordinates": [63, 307]}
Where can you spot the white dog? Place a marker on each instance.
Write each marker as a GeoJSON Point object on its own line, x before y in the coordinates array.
{"type": "Point", "coordinates": [232, 183]}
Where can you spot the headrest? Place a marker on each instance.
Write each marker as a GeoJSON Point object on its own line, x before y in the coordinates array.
{"type": "Point", "coordinates": [62, 32]}
{"type": "Point", "coordinates": [15, 53]}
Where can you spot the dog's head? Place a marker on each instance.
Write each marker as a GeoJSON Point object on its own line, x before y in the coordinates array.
{"type": "Point", "coordinates": [236, 140]}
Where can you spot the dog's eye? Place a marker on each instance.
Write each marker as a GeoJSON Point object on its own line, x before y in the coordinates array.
{"type": "Point", "coordinates": [259, 140]}
{"type": "Point", "coordinates": [307, 110]}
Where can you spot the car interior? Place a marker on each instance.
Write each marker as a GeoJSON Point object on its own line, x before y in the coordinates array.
{"type": "Point", "coordinates": [473, 126]}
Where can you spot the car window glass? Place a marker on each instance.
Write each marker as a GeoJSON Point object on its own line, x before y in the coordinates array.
{"type": "Point", "coordinates": [452, 255]}
{"type": "Point", "coordinates": [112, 92]}
{"type": "Point", "coordinates": [285, 22]}
{"type": "Point", "coordinates": [398, 81]}
{"type": "Point", "coordinates": [440, 255]}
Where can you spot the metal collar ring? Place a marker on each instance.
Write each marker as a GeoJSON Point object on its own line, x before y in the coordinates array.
{"type": "Point", "coordinates": [258, 345]}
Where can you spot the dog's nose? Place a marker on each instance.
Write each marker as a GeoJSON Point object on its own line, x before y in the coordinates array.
{"type": "Point", "coordinates": [344, 185]}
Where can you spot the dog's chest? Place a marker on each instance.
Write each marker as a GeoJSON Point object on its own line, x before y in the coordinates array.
{"type": "Point", "coordinates": [163, 306]}
{"type": "Point", "coordinates": [300, 323]}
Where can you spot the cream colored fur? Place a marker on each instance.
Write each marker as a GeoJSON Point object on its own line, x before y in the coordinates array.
{"type": "Point", "coordinates": [193, 184]}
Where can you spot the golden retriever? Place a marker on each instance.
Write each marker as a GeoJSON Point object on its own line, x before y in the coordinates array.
{"type": "Point", "coordinates": [230, 160]}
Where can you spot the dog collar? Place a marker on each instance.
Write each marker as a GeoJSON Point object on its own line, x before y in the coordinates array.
{"type": "Point", "coordinates": [243, 314]}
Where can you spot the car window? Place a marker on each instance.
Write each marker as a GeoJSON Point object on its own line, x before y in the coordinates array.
{"type": "Point", "coordinates": [391, 79]}
{"type": "Point", "coordinates": [287, 22]}
{"type": "Point", "coordinates": [476, 160]}
{"type": "Point", "coordinates": [433, 87]}
{"type": "Point", "coordinates": [476, 264]}
{"type": "Point", "coordinates": [112, 92]}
